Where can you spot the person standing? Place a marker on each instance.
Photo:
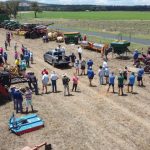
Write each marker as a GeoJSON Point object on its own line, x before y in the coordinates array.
{"type": "Point", "coordinates": [5, 57]}
{"type": "Point", "coordinates": [44, 71]}
{"type": "Point", "coordinates": [83, 66]}
{"type": "Point", "coordinates": [75, 82]}
{"type": "Point", "coordinates": [111, 81]}
{"type": "Point", "coordinates": [89, 63]}
{"type": "Point", "coordinates": [106, 72]}
{"type": "Point", "coordinates": [6, 45]}
{"type": "Point", "coordinates": [90, 74]}
{"type": "Point", "coordinates": [131, 82]}
{"type": "Point", "coordinates": [72, 57]}
{"type": "Point", "coordinates": [77, 66]}
{"type": "Point", "coordinates": [12, 91]}
{"type": "Point", "coordinates": [66, 81]}
{"type": "Point", "coordinates": [80, 53]}
{"type": "Point", "coordinates": [1, 61]}
{"type": "Point", "coordinates": [45, 80]}
{"type": "Point", "coordinates": [15, 47]}
{"type": "Point", "coordinates": [27, 59]}
{"type": "Point", "coordinates": [120, 84]}
{"type": "Point", "coordinates": [54, 78]}
{"type": "Point", "coordinates": [140, 76]}
{"type": "Point", "coordinates": [19, 99]}
{"type": "Point", "coordinates": [101, 75]}
{"type": "Point", "coordinates": [28, 97]}
{"type": "Point", "coordinates": [125, 74]}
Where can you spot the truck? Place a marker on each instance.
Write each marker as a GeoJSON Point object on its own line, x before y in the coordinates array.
{"type": "Point", "coordinates": [56, 57]}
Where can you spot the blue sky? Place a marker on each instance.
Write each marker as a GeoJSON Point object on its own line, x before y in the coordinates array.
{"type": "Point", "coordinates": [96, 2]}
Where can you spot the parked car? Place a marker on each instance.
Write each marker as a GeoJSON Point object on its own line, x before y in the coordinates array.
{"type": "Point", "coordinates": [56, 58]}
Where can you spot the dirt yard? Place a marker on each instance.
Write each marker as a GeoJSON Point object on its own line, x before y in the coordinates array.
{"type": "Point", "coordinates": [90, 119]}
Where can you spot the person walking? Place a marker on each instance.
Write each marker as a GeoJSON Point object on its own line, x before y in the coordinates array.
{"type": "Point", "coordinates": [140, 74]}
{"type": "Point", "coordinates": [28, 97]}
{"type": "Point", "coordinates": [120, 84]}
{"type": "Point", "coordinates": [45, 80]}
{"type": "Point", "coordinates": [54, 78]}
{"type": "Point", "coordinates": [75, 82]}
{"type": "Point", "coordinates": [90, 74]}
{"type": "Point", "coordinates": [19, 99]}
{"type": "Point", "coordinates": [101, 75]}
{"type": "Point", "coordinates": [66, 81]}
{"type": "Point", "coordinates": [131, 82]}
{"type": "Point", "coordinates": [111, 82]}
{"type": "Point", "coordinates": [80, 53]}
{"type": "Point", "coordinates": [72, 57]}
{"type": "Point", "coordinates": [83, 66]}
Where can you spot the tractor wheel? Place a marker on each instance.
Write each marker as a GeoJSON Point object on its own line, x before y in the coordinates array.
{"type": "Point", "coordinates": [147, 68]}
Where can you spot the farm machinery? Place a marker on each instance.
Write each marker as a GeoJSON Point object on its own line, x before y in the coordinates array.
{"type": "Point", "coordinates": [10, 25]}
{"type": "Point", "coordinates": [9, 76]}
{"type": "Point", "coordinates": [120, 47]}
{"type": "Point", "coordinates": [72, 37]}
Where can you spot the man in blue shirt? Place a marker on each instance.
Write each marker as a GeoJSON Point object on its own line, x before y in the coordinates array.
{"type": "Point", "coordinates": [135, 55]}
{"type": "Point", "coordinates": [140, 76]}
{"type": "Point", "coordinates": [12, 91]}
{"type": "Point", "coordinates": [90, 74]}
{"type": "Point", "coordinates": [131, 82]}
{"type": "Point", "coordinates": [111, 81]}
{"type": "Point", "coordinates": [89, 63]}
{"type": "Point", "coordinates": [27, 59]}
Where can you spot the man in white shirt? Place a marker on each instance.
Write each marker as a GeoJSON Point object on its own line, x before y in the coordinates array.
{"type": "Point", "coordinates": [105, 65]}
{"type": "Point", "coordinates": [80, 53]}
{"type": "Point", "coordinates": [101, 75]}
{"type": "Point", "coordinates": [54, 78]}
{"type": "Point", "coordinates": [45, 80]}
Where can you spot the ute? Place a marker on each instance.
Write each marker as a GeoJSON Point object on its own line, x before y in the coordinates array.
{"type": "Point", "coordinates": [56, 58]}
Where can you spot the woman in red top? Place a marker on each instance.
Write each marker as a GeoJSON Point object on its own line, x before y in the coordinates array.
{"type": "Point", "coordinates": [75, 82]}
{"type": "Point", "coordinates": [44, 71]}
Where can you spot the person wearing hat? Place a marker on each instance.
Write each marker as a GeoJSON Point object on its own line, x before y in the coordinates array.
{"type": "Point", "coordinates": [66, 80]}
{"type": "Point", "coordinates": [120, 84]}
{"type": "Point", "coordinates": [19, 99]}
{"type": "Point", "coordinates": [131, 82]}
{"type": "Point", "coordinates": [28, 97]}
{"type": "Point", "coordinates": [90, 74]}
{"type": "Point", "coordinates": [111, 81]}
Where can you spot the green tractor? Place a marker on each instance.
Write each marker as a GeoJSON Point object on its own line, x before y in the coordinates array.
{"type": "Point", "coordinates": [72, 37]}
{"type": "Point", "coordinates": [120, 47]}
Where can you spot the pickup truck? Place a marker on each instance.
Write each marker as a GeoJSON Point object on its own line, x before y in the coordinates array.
{"type": "Point", "coordinates": [56, 58]}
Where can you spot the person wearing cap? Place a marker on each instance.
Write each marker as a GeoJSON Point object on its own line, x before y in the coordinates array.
{"type": "Point", "coordinates": [28, 97]}
{"type": "Point", "coordinates": [111, 81]}
{"type": "Point", "coordinates": [45, 80]}
{"type": "Point", "coordinates": [131, 82]}
{"type": "Point", "coordinates": [19, 99]}
{"type": "Point", "coordinates": [120, 84]}
{"type": "Point", "coordinates": [101, 75]}
{"type": "Point", "coordinates": [65, 81]}
{"type": "Point", "coordinates": [54, 78]}
{"type": "Point", "coordinates": [90, 74]}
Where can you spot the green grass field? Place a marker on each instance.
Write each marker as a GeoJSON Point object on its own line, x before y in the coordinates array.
{"type": "Point", "coordinates": [98, 15]}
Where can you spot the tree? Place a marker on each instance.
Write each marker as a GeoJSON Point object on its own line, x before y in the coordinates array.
{"type": "Point", "coordinates": [35, 7]}
{"type": "Point", "coordinates": [12, 7]}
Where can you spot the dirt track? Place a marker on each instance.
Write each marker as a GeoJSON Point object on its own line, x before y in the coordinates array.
{"type": "Point", "coordinates": [88, 120]}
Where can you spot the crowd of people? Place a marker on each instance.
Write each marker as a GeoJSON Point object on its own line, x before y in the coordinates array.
{"type": "Point", "coordinates": [83, 67]}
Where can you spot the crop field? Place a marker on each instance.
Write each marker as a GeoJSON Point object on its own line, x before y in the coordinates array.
{"type": "Point", "coordinates": [134, 24]}
{"type": "Point", "coordinates": [98, 15]}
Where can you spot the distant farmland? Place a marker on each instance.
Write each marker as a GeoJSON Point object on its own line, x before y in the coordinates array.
{"type": "Point", "coordinates": [98, 15]}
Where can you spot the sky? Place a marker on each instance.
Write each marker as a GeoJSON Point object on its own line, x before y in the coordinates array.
{"type": "Point", "coordinates": [96, 2]}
